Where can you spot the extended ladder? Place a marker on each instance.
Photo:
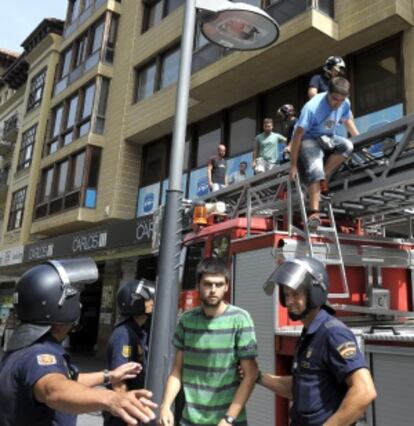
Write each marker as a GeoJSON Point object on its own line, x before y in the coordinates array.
{"type": "Point", "coordinates": [330, 232]}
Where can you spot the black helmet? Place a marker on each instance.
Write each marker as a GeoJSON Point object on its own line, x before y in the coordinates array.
{"type": "Point", "coordinates": [132, 296]}
{"type": "Point", "coordinates": [49, 294]}
{"type": "Point", "coordinates": [286, 111]}
{"type": "Point", "coordinates": [335, 62]}
{"type": "Point", "coordinates": [305, 271]}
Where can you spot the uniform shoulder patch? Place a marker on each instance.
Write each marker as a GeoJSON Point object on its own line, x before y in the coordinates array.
{"type": "Point", "coordinates": [347, 349]}
{"type": "Point", "coordinates": [46, 359]}
{"type": "Point", "coordinates": [126, 351]}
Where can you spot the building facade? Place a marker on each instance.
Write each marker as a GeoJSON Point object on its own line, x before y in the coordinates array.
{"type": "Point", "coordinates": [87, 112]}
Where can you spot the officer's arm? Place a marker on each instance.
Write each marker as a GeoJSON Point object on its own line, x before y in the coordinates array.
{"type": "Point", "coordinates": [245, 388]}
{"type": "Point", "coordinates": [125, 371]}
{"type": "Point", "coordinates": [281, 385]}
{"type": "Point", "coordinates": [59, 393]}
{"type": "Point", "coordinates": [172, 388]}
{"type": "Point", "coordinates": [361, 392]}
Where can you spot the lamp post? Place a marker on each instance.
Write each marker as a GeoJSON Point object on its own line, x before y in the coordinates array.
{"type": "Point", "coordinates": [238, 26]}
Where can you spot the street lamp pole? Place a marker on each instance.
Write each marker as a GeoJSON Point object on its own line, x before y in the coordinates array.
{"type": "Point", "coordinates": [166, 302]}
{"type": "Point", "coordinates": [232, 25]}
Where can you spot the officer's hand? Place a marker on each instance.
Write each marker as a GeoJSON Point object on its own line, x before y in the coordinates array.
{"type": "Point", "coordinates": [166, 417]}
{"type": "Point", "coordinates": [293, 172]}
{"type": "Point", "coordinates": [133, 405]}
{"type": "Point", "coordinates": [125, 372]}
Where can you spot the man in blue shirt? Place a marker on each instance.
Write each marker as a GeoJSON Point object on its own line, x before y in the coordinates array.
{"type": "Point", "coordinates": [315, 137]}
{"type": "Point", "coordinates": [330, 382]}
{"type": "Point", "coordinates": [39, 385]}
{"type": "Point", "coordinates": [130, 338]}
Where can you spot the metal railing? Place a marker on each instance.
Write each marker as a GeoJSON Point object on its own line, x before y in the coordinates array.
{"type": "Point", "coordinates": [10, 128]}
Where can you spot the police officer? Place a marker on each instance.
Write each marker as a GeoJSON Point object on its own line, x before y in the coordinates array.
{"type": "Point", "coordinates": [330, 383]}
{"type": "Point", "coordinates": [129, 340]}
{"type": "Point", "coordinates": [334, 67]}
{"type": "Point", "coordinates": [39, 385]}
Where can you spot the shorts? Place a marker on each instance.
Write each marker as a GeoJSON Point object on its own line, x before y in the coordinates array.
{"type": "Point", "coordinates": [311, 157]}
{"type": "Point", "coordinates": [263, 165]}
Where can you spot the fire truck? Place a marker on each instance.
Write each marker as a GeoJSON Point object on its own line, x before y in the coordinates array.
{"type": "Point", "coordinates": [366, 242]}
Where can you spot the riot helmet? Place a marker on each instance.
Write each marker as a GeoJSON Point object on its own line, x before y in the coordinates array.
{"type": "Point", "coordinates": [286, 111]}
{"type": "Point", "coordinates": [131, 297]}
{"type": "Point", "coordinates": [336, 63]}
{"type": "Point", "coordinates": [307, 272]}
{"type": "Point", "coordinates": [49, 294]}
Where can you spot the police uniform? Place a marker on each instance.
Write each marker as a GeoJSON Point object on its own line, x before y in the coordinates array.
{"type": "Point", "coordinates": [128, 342]}
{"type": "Point", "coordinates": [19, 371]}
{"type": "Point", "coordinates": [326, 353]}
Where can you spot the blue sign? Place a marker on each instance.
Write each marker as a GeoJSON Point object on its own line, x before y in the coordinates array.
{"type": "Point", "coordinates": [233, 164]}
{"type": "Point", "coordinates": [198, 183]}
{"type": "Point", "coordinates": [148, 199]}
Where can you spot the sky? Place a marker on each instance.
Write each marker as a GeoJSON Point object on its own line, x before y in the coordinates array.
{"type": "Point", "coordinates": [18, 18]}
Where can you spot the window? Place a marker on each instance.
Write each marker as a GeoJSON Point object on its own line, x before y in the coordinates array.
{"type": "Point", "coordinates": [36, 90]}
{"type": "Point", "coordinates": [157, 74]}
{"type": "Point", "coordinates": [26, 148]}
{"type": "Point", "coordinates": [17, 209]}
{"type": "Point", "coordinates": [72, 119]}
{"type": "Point", "coordinates": [155, 162]}
{"type": "Point", "coordinates": [156, 10]}
{"type": "Point", "coordinates": [378, 77]}
{"type": "Point", "coordinates": [243, 126]}
{"type": "Point", "coordinates": [70, 183]}
{"type": "Point", "coordinates": [209, 137]}
{"type": "Point", "coordinates": [169, 68]}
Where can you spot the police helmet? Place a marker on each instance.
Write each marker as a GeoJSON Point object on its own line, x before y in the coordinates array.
{"type": "Point", "coordinates": [335, 62]}
{"type": "Point", "coordinates": [132, 295]}
{"type": "Point", "coordinates": [305, 271]}
{"type": "Point", "coordinates": [286, 111]}
{"type": "Point", "coordinates": [49, 294]}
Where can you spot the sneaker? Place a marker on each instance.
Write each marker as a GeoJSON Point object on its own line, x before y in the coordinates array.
{"type": "Point", "coordinates": [314, 221]}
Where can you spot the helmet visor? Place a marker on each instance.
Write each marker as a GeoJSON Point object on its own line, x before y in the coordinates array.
{"type": "Point", "coordinates": [290, 274]}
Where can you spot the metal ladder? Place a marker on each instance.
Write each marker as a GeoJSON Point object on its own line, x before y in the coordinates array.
{"type": "Point", "coordinates": [330, 232]}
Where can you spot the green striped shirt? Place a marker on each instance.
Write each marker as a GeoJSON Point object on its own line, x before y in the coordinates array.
{"type": "Point", "coordinates": [212, 348]}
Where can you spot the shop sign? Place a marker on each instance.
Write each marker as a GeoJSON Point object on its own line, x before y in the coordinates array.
{"type": "Point", "coordinates": [11, 256]}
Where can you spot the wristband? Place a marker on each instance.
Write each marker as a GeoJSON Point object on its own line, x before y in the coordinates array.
{"type": "Point", "coordinates": [107, 379]}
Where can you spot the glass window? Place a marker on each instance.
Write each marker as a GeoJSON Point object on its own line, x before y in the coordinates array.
{"type": "Point", "coordinates": [155, 158]}
{"type": "Point", "coordinates": [26, 149]}
{"type": "Point", "coordinates": [78, 169]}
{"type": "Point", "coordinates": [57, 121]}
{"type": "Point", "coordinates": [73, 104]}
{"type": "Point", "coordinates": [172, 5]}
{"type": "Point", "coordinates": [209, 137]}
{"type": "Point", "coordinates": [36, 90]}
{"type": "Point", "coordinates": [88, 101]}
{"type": "Point", "coordinates": [97, 37]}
{"type": "Point", "coordinates": [62, 177]}
{"type": "Point", "coordinates": [66, 62]}
{"type": "Point", "coordinates": [103, 100]}
{"type": "Point", "coordinates": [243, 127]}
{"type": "Point", "coordinates": [75, 10]}
{"type": "Point", "coordinates": [95, 162]}
{"type": "Point", "coordinates": [80, 50]}
{"type": "Point", "coordinates": [47, 186]}
{"type": "Point", "coordinates": [378, 77]}
{"type": "Point", "coordinates": [155, 13]}
{"type": "Point", "coordinates": [169, 68]}
{"type": "Point", "coordinates": [17, 209]}
{"type": "Point", "coordinates": [146, 81]}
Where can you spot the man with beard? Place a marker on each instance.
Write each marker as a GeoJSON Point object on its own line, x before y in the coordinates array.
{"type": "Point", "coordinates": [330, 382]}
{"type": "Point", "coordinates": [211, 341]}
{"type": "Point", "coordinates": [130, 338]}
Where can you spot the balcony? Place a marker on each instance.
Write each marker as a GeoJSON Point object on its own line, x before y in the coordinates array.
{"type": "Point", "coordinates": [4, 184]}
{"type": "Point", "coordinates": [281, 11]}
{"type": "Point", "coordinates": [11, 128]}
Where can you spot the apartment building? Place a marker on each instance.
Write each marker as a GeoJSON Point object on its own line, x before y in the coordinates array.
{"type": "Point", "coordinates": [94, 98]}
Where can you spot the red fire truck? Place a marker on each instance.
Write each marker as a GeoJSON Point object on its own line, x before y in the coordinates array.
{"type": "Point", "coordinates": [366, 241]}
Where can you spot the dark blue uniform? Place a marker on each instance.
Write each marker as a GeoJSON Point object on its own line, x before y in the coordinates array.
{"type": "Point", "coordinates": [19, 372]}
{"type": "Point", "coordinates": [326, 354]}
{"type": "Point", "coordinates": [320, 82]}
{"type": "Point", "coordinates": [128, 342]}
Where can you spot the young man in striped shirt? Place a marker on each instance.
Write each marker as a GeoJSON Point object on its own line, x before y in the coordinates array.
{"type": "Point", "coordinates": [211, 341]}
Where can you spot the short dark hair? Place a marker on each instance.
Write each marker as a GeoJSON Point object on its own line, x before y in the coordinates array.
{"type": "Point", "coordinates": [268, 120]}
{"type": "Point", "coordinates": [339, 85]}
{"type": "Point", "coordinates": [243, 162]}
{"type": "Point", "coordinates": [212, 265]}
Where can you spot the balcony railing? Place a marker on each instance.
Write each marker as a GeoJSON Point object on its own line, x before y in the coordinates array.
{"type": "Point", "coordinates": [11, 128]}
{"type": "Point", "coordinates": [281, 11]}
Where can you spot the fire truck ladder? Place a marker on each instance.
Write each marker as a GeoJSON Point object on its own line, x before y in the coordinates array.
{"type": "Point", "coordinates": [330, 232]}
